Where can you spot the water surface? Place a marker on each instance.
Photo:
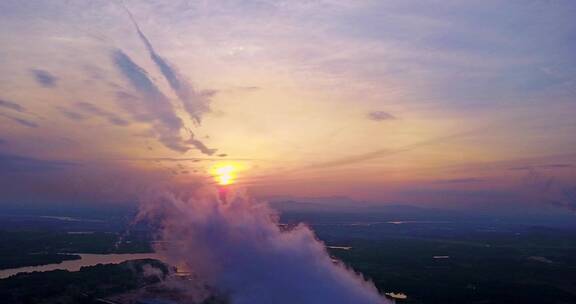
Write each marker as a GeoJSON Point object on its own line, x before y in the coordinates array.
{"type": "Point", "coordinates": [86, 259]}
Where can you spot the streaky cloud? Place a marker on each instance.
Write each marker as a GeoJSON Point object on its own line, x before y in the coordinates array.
{"type": "Point", "coordinates": [20, 121]}
{"type": "Point", "coordinates": [71, 114]}
{"type": "Point", "coordinates": [158, 110]}
{"type": "Point", "coordinates": [200, 145]}
{"type": "Point", "coordinates": [127, 101]}
{"type": "Point", "coordinates": [557, 166]}
{"type": "Point", "coordinates": [11, 106]}
{"type": "Point", "coordinates": [544, 166]}
{"type": "Point", "coordinates": [195, 103]}
{"type": "Point", "coordinates": [386, 152]}
{"type": "Point", "coordinates": [16, 163]}
{"type": "Point", "coordinates": [96, 111]}
{"type": "Point", "coordinates": [380, 116]}
{"type": "Point", "coordinates": [465, 180]}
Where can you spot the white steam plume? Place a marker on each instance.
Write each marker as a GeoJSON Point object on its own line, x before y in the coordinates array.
{"type": "Point", "coordinates": [239, 249]}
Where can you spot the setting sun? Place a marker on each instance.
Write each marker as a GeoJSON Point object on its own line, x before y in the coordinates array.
{"type": "Point", "coordinates": [225, 174]}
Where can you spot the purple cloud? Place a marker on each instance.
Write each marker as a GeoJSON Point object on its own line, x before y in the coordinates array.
{"type": "Point", "coordinates": [11, 106]}
{"type": "Point", "coordinates": [380, 116]}
{"type": "Point", "coordinates": [44, 78]}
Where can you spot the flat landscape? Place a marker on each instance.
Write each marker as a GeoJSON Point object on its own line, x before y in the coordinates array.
{"type": "Point", "coordinates": [465, 260]}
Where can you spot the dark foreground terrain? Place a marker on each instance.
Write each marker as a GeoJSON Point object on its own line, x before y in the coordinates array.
{"type": "Point", "coordinates": [429, 257]}
{"type": "Point", "coordinates": [536, 265]}
{"type": "Point", "coordinates": [436, 256]}
{"type": "Point", "coordinates": [88, 285]}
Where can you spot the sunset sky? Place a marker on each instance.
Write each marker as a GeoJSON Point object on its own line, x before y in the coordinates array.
{"type": "Point", "coordinates": [459, 103]}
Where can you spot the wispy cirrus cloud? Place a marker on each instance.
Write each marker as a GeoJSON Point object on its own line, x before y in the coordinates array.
{"type": "Point", "coordinates": [198, 144]}
{"type": "Point", "coordinates": [380, 153]}
{"type": "Point", "coordinates": [194, 102]}
{"type": "Point", "coordinates": [71, 114]}
{"type": "Point", "coordinates": [380, 116]}
{"type": "Point", "coordinates": [85, 110]}
{"type": "Point", "coordinates": [15, 107]}
{"type": "Point", "coordinates": [465, 180]}
{"type": "Point", "coordinates": [154, 107]}
{"type": "Point", "coordinates": [20, 121]}
{"type": "Point", "coordinates": [16, 163]}
{"type": "Point", "coordinates": [97, 111]}
{"type": "Point", "coordinates": [11, 106]}
{"type": "Point", "coordinates": [543, 166]}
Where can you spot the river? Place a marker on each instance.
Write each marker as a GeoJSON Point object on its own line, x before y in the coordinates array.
{"type": "Point", "coordinates": [85, 260]}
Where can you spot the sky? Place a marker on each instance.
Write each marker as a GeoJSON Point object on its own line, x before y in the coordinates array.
{"type": "Point", "coordinates": [441, 103]}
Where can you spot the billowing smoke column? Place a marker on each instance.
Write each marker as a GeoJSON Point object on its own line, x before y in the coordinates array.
{"type": "Point", "coordinates": [238, 249]}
